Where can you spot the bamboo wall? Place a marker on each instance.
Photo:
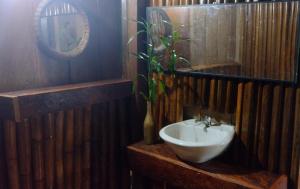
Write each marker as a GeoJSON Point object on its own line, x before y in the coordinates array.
{"type": "Point", "coordinates": [267, 116]}
{"type": "Point", "coordinates": [80, 148]}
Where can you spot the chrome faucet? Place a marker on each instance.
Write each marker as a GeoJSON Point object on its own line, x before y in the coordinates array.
{"type": "Point", "coordinates": [207, 121]}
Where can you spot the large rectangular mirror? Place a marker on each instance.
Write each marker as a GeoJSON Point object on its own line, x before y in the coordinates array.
{"type": "Point", "coordinates": [248, 40]}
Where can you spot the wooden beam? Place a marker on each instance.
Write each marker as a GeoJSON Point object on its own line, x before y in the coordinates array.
{"type": "Point", "coordinates": [23, 104]}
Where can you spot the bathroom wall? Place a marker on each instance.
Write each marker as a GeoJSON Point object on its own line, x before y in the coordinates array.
{"type": "Point", "coordinates": [266, 115]}
{"type": "Point", "coordinates": [23, 65]}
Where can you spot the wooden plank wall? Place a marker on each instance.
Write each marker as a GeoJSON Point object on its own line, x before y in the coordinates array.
{"type": "Point", "coordinates": [24, 66]}
{"type": "Point", "coordinates": [80, 148]}
{"type": "Point", "coordinates": [267, 115]}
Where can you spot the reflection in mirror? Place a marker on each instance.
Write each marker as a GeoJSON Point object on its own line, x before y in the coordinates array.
{"type": "Point", "coordinates": [63, 29]}
{"type": "Point", "coordinates": [249, 40]}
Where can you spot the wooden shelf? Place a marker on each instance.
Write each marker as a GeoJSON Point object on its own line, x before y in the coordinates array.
{"type": "Point", "coordinates": [18, 105]}
{"type": "Point", "coordinates": [158, 162]}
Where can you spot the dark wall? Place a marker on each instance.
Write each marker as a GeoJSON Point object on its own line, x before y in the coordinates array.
{"type": "Point", "coordinates": [23, 65]}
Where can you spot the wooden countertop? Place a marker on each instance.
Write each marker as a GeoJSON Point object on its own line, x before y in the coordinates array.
{"type": "Point", "coordinates": [159, 162]}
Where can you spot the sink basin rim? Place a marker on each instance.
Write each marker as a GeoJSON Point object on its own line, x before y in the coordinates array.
{"type": "Point", "coordinates": [183, 143]}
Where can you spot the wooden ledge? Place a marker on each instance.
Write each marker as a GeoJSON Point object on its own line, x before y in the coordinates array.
{"type": "Point", "coordinates": [160, 163]}
{"type": "Point", "coordinates": [18, 105]}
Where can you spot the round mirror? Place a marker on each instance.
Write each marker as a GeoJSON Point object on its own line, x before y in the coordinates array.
{"type": "Point", "coordinates": [62, 28]}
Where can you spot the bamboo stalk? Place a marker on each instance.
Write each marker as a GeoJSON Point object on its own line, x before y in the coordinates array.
{"type": "Point", "coordinates": [59, 149]}
{"type": "Point", "coordinates": [284, 37]}
{"type": "Point", "coordinates": [264, 126]}
{"type": "Point", "coordinates": [191, 90]}
{"type": "Point", "coordinates": [258, 39]}
{"type": "Point", "coordinates": [96, 143]}
{"type": "Point", "coordinates": [295, 163]}
{"type": "Point", "coordinates": [69, 149]}
{"type": "Point", "coordinates": [37, 153]}
{"type": "Point", "coordinates": [104, 133]}
{"type": "Point", "coordinates": [294, 36]}
{"type": "Point", "coordinates": [179, 104]}
{"type": "Point", "coordinates": [213, 95]}
{"type": "Point", "coordinates": [221, 89]}
{"type": "Point", "coordinates": [124, 141]}
{"type": "Point", "coordinates": [269, 57]}
{"type": "Point", "coordinates": [275, 131]}
{"type": "Point", "coordinates": [185, 90]}
{"type": "Point", "coordinates": [229, 103]}
{"type": "Point", "coordinates": [113, 156]}
{"type": "Point", "coordinates": [86, 157]}
{"type": "Point", "coordinates": [286, 132]}
{"type": "Point", "coordinates": [277, 39]}
{"type": "Point", "coordinates": [171, 83]}
{"type": "Point", "coordinates": [167, 99]}
{"type": "Point", "coordinates": [247, 129]}
{"type": "Point", "coordinates": [24, 153]}
{"type": "Point", "coordinates": [10, 142]}
{"type": "Point", "coordinates": [3, 171]}
{"type": "Point", "coordinates": [49, 136]}
{"type": "Point", "coordinates": [78, 148]}
{"type": "Point", "coordinates": [238, 121]}
{"type": "Point", "coordinates": [254, 159]}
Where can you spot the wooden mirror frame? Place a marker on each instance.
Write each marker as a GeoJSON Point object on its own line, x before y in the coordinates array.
{"type": "Point", "coordinates": [51, 52]}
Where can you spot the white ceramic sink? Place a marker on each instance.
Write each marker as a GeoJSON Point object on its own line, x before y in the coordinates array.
{"type": "Point", "coordinates": [193, 142]}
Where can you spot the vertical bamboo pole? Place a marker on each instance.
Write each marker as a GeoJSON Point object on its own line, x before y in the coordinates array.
{"type": "Point", "coordinates": [264, 125]}
{"type": "Point", "coordinates": [96, 143]}
{"type": "Point", "coordinates": [104, 134]}
{"type": "Point", "coordinates": [113, 155]}
{"type": "Point", "coordinates": [293, 34]}
{"type": "Point", "coordinates": [269, 55]}
{"type": "Point", "coordinates": [124, 141]}
{"type": "Point", "coordinates": [284, 37]}
{"type": "Point", "coordinates": [3, 169]}
{"type": "Point", "coordinates": [69, 149]}
{"type": "Point", "coordinates": [191, 90]}
{"type": "Point", "coordinates": [287, 131]}
{"type": "Point", "coordinates": [238, 121]}
{"type": "Point", "coordinates": [247, 129]}
{"type": "Point", "coordinates": [295, 164]}
{"type": "Point", "coordinates": [24, 149]}
{"type": "Point", "coordinates": [59, 149]}
{"type": "Point", "coordinates": [173, 99]}
{"type": "Point", "coordinates": [185, 90]}
{"type": "Point", "coordinates": [277, 106]}
{"type": "Point", "coordinates": [278, 37]}
{"type": "Point", "coordinates": [10, 142]}
{"type": "Point", "coordinates": [49, 150]}
{"type": "Point", "coordinates": [78, 148]}
{"type": "Point", "coordinates": [229, 101]}
{"type": "Point", "coordinates": [254, 159]}
{"type": "Point", "coordinates": [37, 152]}
{"type": "Point", "coordinates": [179, 105]}
{"type": "Point", "coordinates": [86, 152]}
{"type": "Point", "coordinates": [213, 94]}
{"type": "Point", "coordinates": [161, 102]}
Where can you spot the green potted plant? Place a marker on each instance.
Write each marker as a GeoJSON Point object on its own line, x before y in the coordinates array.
{"type": "Point", "coordinates": [154, 77]}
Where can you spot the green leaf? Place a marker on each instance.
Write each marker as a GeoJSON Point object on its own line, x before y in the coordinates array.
{"type": "Point", "coordinates": [134, 87]}
{"type": "Point", "coordinates": [162, 87]}
{"type": "Point", "coordinates": [134, 36]}
{"type": "Point", "coordinates": [144, 96]}
{"type": "Point", "coordinates": [143, 77]}
{"type": "Point", "coordinates": [175, 36]}
{"type": "Point", "coordinates": [184, 60]}
{"type": "Point", "coordinates": [165, 41]}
